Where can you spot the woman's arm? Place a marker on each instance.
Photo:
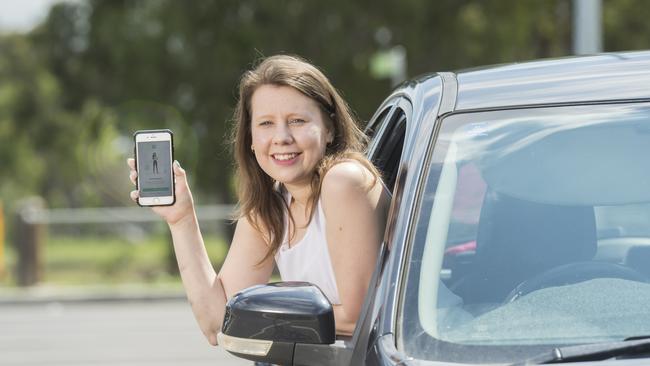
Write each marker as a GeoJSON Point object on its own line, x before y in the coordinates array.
{"type": "Point", "coordinates": [203, 287]}
{"type": "Point", "coordinates": [355, 213]}
{"type": "Point", "coordinates": [207, 291]}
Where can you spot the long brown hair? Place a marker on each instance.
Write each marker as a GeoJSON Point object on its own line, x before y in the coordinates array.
{"type": "Point", "coordinates": [260, 200]}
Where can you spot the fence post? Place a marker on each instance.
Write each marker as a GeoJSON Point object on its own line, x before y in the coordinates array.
{"type": "Point", "coordinates": [28, 238]}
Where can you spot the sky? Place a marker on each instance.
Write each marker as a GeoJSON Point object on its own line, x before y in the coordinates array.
{"type": "Point", "coordinates": [23, 15]}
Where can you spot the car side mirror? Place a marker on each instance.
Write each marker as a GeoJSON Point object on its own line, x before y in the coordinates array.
{"type": "Point", "coordinates": [263, 323]}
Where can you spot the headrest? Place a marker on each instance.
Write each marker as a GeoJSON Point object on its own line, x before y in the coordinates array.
{"type": "Point", "coordinates": [638, 258]}
{"type": "Point", "coordinates": [530, 237]}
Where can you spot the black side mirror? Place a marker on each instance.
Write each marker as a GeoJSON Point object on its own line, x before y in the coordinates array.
{"type": "Point", "coordinates": [263, 323]}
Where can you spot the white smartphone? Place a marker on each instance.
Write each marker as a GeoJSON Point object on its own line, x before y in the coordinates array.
{"type": "Point", "coordinates": [154, 154]}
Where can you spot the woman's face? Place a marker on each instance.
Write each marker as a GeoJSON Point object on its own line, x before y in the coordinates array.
{"type": "Point", "coordinates": [289, 134]}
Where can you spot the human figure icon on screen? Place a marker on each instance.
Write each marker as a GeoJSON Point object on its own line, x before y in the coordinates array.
{"type": "Point", "coordinates": [154, 157]}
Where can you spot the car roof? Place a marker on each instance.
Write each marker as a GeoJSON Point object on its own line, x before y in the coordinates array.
{"type": "Point", "coordinates": [604, 77]}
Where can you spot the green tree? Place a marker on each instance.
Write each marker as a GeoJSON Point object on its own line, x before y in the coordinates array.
{"type": "Point", "coordinates": [43, 147]}
{"type": "Point", "coordinates": [165, 63]}
{"type": "Point", "coordinates": [626, 25]}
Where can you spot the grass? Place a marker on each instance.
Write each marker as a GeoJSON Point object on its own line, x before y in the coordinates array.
{"type": "Point", "coordinates": [88, 260]}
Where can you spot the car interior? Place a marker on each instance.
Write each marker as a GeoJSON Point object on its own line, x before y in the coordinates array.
{"type": "Point", "coordinates": [387, 157]}
{"type": "Point", "coordinates": [551, 182]}
{"type": "Point", "coordinates": [526, 237]}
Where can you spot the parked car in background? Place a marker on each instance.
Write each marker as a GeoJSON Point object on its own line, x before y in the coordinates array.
{"type": "Point", "coordinates": [519, 230]}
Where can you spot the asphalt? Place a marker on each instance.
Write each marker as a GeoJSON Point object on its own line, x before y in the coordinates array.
{"type": "Point", "coordinates": [126, 325]}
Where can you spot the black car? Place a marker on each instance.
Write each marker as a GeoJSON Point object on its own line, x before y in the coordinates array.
{"type": "Point", "coordinates": [519, 230]}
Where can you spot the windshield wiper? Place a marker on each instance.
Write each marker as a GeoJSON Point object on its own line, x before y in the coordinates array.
{"type": "Point", "coordinates": [634, 346]}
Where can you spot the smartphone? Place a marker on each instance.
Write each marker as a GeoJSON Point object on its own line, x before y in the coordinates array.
{"type": "Point", "coordinates": [154, 154]}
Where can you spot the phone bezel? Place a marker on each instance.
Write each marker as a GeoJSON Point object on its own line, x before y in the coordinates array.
{"type": "Point", "coordinates": [152, 136]}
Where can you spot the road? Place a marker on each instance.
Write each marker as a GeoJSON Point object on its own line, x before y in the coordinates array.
{"type": "Point", "coordinates": [106, 333]}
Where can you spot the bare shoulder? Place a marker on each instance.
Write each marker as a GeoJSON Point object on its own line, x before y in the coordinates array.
{"type": "Point", "coordinates": [349, 181]}
{"type": "Point", "coordinates": [348, 175]}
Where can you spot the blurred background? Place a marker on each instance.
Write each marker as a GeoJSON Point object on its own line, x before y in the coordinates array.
{"type": "Point", "coordinates": [86, 276]}
{"type": "Point", "coordinates": [77, 78]}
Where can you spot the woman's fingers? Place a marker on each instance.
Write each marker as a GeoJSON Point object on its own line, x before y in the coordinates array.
{"type": "Point", "coordinates": [179, 173]}
{"type": "Point", "coordinates": [133, 174]}
{"type": "Point", "coordinates": [134, 196]}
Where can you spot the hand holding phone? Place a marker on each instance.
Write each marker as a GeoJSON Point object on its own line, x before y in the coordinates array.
{"type": "Point", "coordinates": [154, 154]}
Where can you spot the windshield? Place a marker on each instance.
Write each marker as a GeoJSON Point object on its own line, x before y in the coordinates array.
{"type": "Point", "coordinates": [533, 231]}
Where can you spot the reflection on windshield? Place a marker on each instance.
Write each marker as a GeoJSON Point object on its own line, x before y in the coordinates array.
{"type": "Point", "coordinates": [534, 231]}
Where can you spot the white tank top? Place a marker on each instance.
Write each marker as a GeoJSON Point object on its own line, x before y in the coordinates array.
{"type": "Point", "coordinates": [309, 259]}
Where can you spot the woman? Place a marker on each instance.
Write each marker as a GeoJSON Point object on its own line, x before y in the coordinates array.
{"type": "Point", "coordinates": [308, 198]}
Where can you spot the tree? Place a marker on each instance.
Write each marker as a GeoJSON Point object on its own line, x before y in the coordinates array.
{"type": "Point", "coordinates": [174, 64]}
{"type": "Point", "coordinates": [43, 147]}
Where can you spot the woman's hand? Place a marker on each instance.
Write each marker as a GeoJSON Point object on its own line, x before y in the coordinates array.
{"type": "Point", "coordinates": [182, 209]}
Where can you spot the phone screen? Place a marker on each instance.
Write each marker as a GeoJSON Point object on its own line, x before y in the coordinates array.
{"type": "Point", "coordinates": [154, 168]}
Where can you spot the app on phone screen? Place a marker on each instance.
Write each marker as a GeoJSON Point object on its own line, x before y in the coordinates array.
{"type": "Point", "coordinates": [154, 163]}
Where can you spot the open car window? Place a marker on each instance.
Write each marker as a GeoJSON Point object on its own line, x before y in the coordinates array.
{"type": "Point", "coordinates": [387, 148]}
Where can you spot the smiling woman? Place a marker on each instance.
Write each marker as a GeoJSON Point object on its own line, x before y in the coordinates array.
{"type": "Point", "coordinates": [299, 154]}
{"type": "Point", "coordinates": [289, 132]}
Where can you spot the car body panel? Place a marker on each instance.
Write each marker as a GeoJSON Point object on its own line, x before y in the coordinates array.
{"type": "Point", "coordinates": [322, 355]}
{"type": "Point", "coordinates": [568, 80]}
